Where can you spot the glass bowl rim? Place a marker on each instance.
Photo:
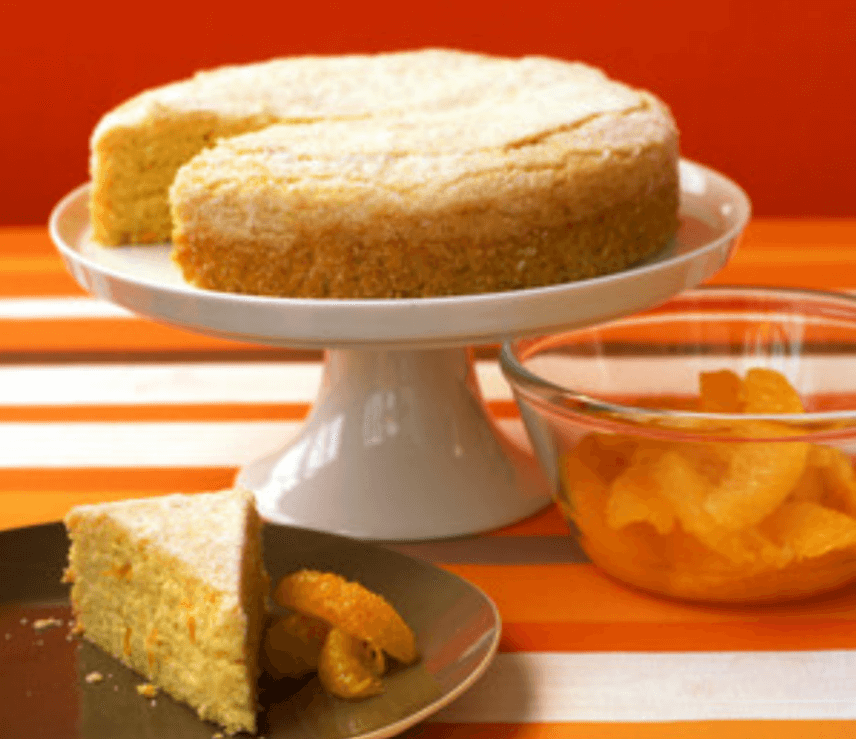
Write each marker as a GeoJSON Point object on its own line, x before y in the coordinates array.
{"type": "Point", "coordinates": [567, 402]}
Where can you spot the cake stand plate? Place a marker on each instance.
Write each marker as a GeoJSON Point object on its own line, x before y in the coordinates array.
{"type": "Point", "coordinates": [398, 445]}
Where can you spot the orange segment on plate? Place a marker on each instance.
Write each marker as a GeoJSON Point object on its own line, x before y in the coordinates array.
{"type": "Point", "coordinates": [350, 668]}
{"type": "Point", "coordinates": [292, 645]}
{"type": "Point", "coordinates": [351, 607]}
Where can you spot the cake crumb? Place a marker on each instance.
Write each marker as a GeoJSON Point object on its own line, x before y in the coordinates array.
{"type": "Point", "coordinates": [40, 624]}
{"type": "Point", "coordinates": [147, 689]}
{"type": "Point", "coordinates": [94, 677]}
{"type": "Point", "coordinates": [24, 621]}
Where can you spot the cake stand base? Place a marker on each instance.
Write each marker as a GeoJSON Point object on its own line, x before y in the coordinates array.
{"type": "Point", "coordinates": [398, 447]}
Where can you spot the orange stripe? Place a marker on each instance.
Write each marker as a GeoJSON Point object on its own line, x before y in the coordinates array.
{"type": "Point", "coordinates": [114, 335]}
{"type": "Point", "coordinates": [29, 508]}
{"type": "Point", "coordinates": [503, 409]}
{"type": "Point", "coordinates": [168, 412]}
{"type": "Point", "coordinates": [799, 253]}
{"type": "Point", "coordinates": [26, 241]}
{"type": "Point", "coordinates": [628, 730]}
{"type": "Point", "coordinates": [32, 264]}
{"type": "Point", "coordinates": [136, 480]}
{"type": "Point", "coordinates": [182, 412]}
{"type": "Point", "coordinates": [43, 284]}
{"type": "Point", "coordinates": [113, 338]}
{"type": "Point", "coordinates": [34, 496]}
{"type": "Point", "coordinates": [809, 234]}
{"type": "Point", "coordinates": [680, 637]}
{"type": "Point", "coordinates": [580, 593]}
{"type": "Point", "coordinates": [546, 522]}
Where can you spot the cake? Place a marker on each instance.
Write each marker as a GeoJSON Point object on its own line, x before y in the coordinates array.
{"type": "Point", "coordinates": [407, 174]}
{"type": "Point", "coordinates": [175, 588]}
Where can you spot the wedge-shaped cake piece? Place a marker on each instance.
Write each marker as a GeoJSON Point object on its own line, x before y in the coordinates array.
{"type": "Point", "coordinates": [175, 587]}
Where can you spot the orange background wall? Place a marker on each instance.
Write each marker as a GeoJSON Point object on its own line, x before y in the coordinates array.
{"type": "Point", "coordinates": [763, 91]}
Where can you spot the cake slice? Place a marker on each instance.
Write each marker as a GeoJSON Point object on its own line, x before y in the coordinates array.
{"type": "Point", "coordinates": [175, 587]}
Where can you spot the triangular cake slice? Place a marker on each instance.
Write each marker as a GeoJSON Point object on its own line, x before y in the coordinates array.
{"type": "Point", "coordinates": [175, 587]}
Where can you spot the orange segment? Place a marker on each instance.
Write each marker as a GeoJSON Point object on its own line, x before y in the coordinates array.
{"type": "Point", "coordinates": [349, 606]}
{"type": "Point", "coordinates": [292, 645]}
{"type": "Point", "coordinates": [350, 668]}
{"type": "Point", "coordinates": [764, 518]}
{"type": "Point", "coordinates": [721, 392]}
{"type": "Point", "coordinates": [811, 530]}
{"type": "Point", "coordinates": [759, 476]}
{"type": "Point", "coordinates": [768, 391]}
{"type": "Point", "coordinates": [839, 479]}
{"type": "Point", "coordinates": [635, 496]}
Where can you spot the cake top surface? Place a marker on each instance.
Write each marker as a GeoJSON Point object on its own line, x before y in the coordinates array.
{"type": "Point", "coordinates": [429, 162]}
{"type": "Point", "coordinates": [205, 531]}
{"type": "Point", "coordinates": [348, 87]}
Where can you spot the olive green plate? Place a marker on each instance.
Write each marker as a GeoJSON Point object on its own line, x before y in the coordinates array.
{"type": "Point", "coordinates": [43, 672]}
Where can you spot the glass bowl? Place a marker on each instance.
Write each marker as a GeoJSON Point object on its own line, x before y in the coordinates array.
{"type": "Point", "coordinates": [703, 449]}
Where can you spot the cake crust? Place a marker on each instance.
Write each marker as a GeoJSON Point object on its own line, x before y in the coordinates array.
{"type": "Point", "coordinates": [435, 205]}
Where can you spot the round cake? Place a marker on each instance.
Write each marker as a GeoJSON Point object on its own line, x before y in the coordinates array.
{"type": "Point", "coordinates": [410, 174]}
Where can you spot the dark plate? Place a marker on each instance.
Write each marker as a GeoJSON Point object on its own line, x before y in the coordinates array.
{"type": "Point", "coordinates": [43, 687]}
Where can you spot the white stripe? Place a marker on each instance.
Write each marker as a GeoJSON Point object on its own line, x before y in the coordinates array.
{"type": "Point", "coordinates": [124, 384]}
{"type": "Point", "coordinates": [154, 444]}
{"type": "Point", "coordinates": [171, 383]}
{"type": "Point", "coordinates": [618, 687]}
{"type": "Point", "coordinates": [181, 444]}
{"type": "Point", "coordinates": [23, 309]}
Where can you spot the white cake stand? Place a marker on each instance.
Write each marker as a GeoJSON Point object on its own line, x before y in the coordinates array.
{"type": "Point", "coordinates": [398, 446]}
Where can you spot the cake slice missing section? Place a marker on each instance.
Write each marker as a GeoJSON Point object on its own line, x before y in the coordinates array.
{"type": "Point", "coordinates": [175, 587]}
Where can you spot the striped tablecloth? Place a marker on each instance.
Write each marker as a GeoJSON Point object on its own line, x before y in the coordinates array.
{"type": "Point", "coordinates": [97, 404]}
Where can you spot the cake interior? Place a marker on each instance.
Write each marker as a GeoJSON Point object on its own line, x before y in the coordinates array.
{"type": "Point", "coordinates": [175, 588]}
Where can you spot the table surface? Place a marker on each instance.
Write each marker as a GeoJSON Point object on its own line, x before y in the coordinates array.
{"type": "Point", "coordinates": [97, 404]}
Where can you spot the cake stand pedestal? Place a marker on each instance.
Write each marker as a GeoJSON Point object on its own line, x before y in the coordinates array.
{"type": "Point", "coordinates": [394, 426]}
{"type": "Point", "coordinates": [398, 445]}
